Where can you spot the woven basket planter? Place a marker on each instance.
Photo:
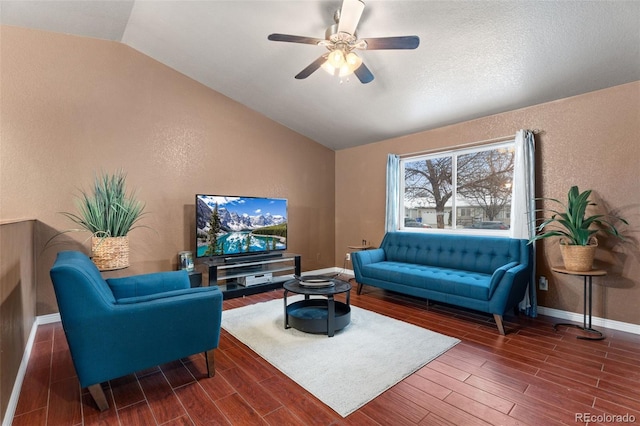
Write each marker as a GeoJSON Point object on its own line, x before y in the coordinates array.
{"type": "Point", "coordinates": [578, 258]}
{"type": "Point", "coordinates": [109, 253]}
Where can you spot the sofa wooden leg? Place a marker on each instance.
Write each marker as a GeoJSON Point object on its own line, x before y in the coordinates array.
{"type": "Point", "coordinates": [498, 319]}
{"type": "Point", "coordinates": [97, 393]}
{"type": "Point", "coordinates": [210, 358]}
{"type": "Point", "coordinates": [359, 288]}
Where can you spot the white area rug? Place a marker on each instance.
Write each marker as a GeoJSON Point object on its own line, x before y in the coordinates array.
{"type": "Point", "coordinates": [371, 354]}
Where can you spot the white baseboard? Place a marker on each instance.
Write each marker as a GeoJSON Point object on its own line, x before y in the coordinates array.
{"type": "Point", "coordinates": [334, 270]}
{"type": "Point", "coordinates": [48, 319]}
{"type": "Point", "coordinates": [22, 371]}
{"type": "Point", "coordinates": [595, 321]}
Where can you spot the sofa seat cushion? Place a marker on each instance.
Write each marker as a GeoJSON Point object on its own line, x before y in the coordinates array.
{"type": "Point", "coordinates": [474, 285]}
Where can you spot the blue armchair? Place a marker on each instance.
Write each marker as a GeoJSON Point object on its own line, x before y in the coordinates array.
{"type": "Point", "coordinates": [123, 325]}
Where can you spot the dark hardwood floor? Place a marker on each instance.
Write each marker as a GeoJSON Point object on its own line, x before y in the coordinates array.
{"type": "Point", "coordinates": [531, 376]}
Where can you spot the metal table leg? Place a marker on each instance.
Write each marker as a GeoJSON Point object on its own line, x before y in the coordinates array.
{"type": "Point", "coordinates": [286, 315]}
{"type": "Point", "coordinates": [587, 288]}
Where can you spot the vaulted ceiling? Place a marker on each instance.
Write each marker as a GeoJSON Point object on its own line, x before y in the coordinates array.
{"type": "Point", "coordinates": [475, 58]}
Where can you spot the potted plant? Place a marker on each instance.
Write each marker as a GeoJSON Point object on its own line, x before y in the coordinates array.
{"type": "Point", "coordinates": [576, 230]}
{"type": "Point", "coordinates": [109, 213]}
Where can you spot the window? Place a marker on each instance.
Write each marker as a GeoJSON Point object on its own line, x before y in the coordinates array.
{"type": "Point", "coordinates": [462, 190]}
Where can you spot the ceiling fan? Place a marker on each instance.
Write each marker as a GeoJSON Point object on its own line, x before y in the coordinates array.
{"type": "Point", "coordinates": [341, 41]}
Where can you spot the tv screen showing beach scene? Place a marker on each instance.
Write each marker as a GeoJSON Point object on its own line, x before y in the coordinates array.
{"type": "Point", "coordinates": [230, 225]}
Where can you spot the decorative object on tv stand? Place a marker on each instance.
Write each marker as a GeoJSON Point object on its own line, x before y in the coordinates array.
{"type": "Point", "coordinates": [185, 261]}
{"type": "Point", "coordinates": [109, 213]}
{"type": "Point", "coordinates": [576, 230]}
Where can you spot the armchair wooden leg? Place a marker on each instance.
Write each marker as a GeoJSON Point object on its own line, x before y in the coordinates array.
{"type": "Point", "coordinates": [498, 319]}
{"type": "Point", "coordinates": [99, 397]}
{"type": "Point", "coordinates": [210, 358]}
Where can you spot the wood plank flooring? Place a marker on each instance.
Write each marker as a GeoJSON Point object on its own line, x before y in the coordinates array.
{"type": "Point", "coordinates": [531, 376]}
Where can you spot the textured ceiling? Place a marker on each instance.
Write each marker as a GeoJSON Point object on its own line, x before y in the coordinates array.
{"type": "Point", "coordinates": [475, 58]}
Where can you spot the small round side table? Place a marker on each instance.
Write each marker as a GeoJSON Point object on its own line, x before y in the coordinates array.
{"type": "Point", "coordinates": [587, 279]}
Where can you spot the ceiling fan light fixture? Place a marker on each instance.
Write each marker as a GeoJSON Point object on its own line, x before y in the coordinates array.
{"type": "Point", "coordinates": [341, 63]}
{"type": "Point", "coordinates": [345, 71]}
{"type": "Point", "coordinates": [335, 62]}
{"type": "Point", "coordinates": [336, 58]}
{"type": "Point", "coordinates": [352, 63]}
{"type": "Point", "coordinates": [353, 60]}
{"type": "Point", "coordinates": [330, 69]}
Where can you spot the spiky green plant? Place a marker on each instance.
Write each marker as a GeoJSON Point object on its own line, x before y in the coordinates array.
{"type": "Point", "coordinates": [108, 210]}
{"type": "Point", "coordinates": [572, 223]}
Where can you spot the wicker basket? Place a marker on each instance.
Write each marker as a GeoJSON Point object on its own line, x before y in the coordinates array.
{"type": "Point", "coordinates": [578, 258]}
{"type": "Point", "coordinates": [109, 253]}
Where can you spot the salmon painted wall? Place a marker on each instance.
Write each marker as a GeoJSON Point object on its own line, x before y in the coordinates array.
{"type": "Point", "coordinates": [73, 106]}
{"type": "Point", "coordinates": [589, 140]}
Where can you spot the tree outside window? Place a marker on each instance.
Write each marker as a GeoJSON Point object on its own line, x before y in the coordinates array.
{"type": "Point", "coordinates": [460, 189]}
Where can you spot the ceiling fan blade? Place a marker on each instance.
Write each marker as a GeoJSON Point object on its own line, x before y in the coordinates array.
{"type": "Point", "coordinates": [363, 74]}
{"type": "Point", "coordinates": [403, 42]}
{"type": "Point", "coordinates": [350, 14]}
{"type": "Point", "coordinates": [312, 67]}
{"type": "Point", "coordinates": [294, 38]}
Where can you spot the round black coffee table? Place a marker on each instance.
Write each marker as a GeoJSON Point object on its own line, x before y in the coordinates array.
{"type": "Point", "coordinates": [319, 315]}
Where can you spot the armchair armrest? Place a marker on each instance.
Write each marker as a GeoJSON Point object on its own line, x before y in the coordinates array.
{"type": "Point", "coordinates": [162, 295]}
{"type": "Point", "coordinates": [147, 284]}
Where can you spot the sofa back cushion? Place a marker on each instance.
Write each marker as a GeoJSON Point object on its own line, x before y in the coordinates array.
{"type": "Point", "coordinates": [467, 252]}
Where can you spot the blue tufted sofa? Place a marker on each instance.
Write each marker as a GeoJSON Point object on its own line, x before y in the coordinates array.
{"type": "Point", "coordinates": [488, 274]}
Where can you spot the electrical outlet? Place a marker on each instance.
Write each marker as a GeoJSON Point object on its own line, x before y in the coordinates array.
{"type": "Point", "coordinates": [347, 257]}
{"type": "Point", "coordinates": [543, 283]}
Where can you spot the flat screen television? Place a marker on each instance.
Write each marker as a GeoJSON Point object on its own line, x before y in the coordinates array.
{"type": "Point", "coordinates": [233, 226]}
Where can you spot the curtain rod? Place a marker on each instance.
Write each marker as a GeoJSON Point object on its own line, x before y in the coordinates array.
{"type": "Point", "coordinates": [467, 145]}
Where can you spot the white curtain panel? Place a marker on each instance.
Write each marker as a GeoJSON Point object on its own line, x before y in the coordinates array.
{"type": "Point", "coordinates": [393, 191]}
{"type": "Point", "coordinates": [523, 206]}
